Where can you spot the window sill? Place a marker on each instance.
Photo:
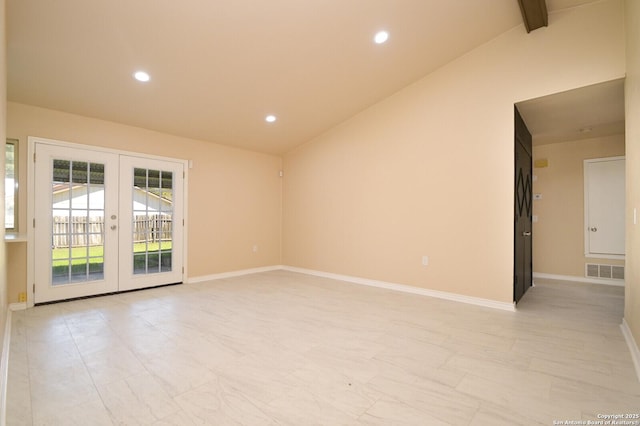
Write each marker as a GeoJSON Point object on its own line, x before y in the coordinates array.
{"type": "Point", "coordinates": [14, 237]}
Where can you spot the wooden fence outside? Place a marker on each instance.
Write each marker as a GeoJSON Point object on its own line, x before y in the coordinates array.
{"type": "Point", "coordinates": [152, 228]}
{"type": "Point", "coordinates": [89, 231]}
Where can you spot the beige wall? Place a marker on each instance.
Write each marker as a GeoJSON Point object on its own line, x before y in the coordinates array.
{"type": "Point", "coordinates": [632, 112]}
{"type": "Point", "coordinates": [558, 237]}
{"type": "Point", "coordinates": [429, 171]}
{"type": "Point", "coordinates": [234, 197]}
{"type": "Point", "coordinates": [3, 127]}
{"type": "Point", "coordinates": [16, 271]}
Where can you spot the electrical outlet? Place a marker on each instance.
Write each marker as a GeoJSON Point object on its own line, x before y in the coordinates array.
{"type": "Point", "coordinates": [425, 260]}
{"type": "Point", "coordinates": [22, 297]}
{"type": "Point", "coordinates": [255, 248]}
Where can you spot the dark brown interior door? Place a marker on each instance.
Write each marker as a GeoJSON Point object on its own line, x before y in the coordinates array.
{"type": "Point", "coordinates": [523, 261]}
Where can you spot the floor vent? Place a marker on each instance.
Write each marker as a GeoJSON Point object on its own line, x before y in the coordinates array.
{"type": "Point", "coordinates": [594, 270]}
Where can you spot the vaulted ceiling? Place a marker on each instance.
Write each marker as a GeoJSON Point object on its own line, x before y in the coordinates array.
{"type": "Point", "coordinates": [218, 68]}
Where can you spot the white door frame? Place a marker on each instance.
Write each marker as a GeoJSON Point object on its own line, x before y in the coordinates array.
{"type": "Point", "coordinates": [31, 143]}
{"type": "Point", "coordinates": [587, 252]}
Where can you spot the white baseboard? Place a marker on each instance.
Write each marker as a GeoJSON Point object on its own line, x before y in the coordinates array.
{"type": "Point", "coordinates": [408, 289]}
{"type": "Point", "coordinates": [4, 369]}
{"type": "Point", "coordinates": [633, 346]}
{"type": "Point", "coordinates": [578, 279]}
{"type": "Point", "coordinates": [363, 281]}
{"type": "Point", "coordinates": [232, 274]}
{"type": "Point", "coordinates": [18, 306]}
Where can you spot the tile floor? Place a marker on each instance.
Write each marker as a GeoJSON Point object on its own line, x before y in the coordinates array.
{"type": "Point", "coordinates": [281, 348]}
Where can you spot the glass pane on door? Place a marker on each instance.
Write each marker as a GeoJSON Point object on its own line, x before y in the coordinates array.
{"type": "Point", "coordinates": [152, 221]}
{"type": "Point", "coordinates": [77, 234]}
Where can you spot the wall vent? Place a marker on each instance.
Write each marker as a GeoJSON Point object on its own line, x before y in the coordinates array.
{"type": "Point", "coordinates": [595, 270]}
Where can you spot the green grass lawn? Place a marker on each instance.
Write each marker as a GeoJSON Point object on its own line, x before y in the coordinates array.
{"type": "Point", "coordinates": [96, 253]}
{"type": "Point", "coordinates": [77, 256]}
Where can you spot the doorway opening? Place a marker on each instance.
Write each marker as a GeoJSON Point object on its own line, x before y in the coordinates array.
{"type": "Point", "coordinates": [568, 129]}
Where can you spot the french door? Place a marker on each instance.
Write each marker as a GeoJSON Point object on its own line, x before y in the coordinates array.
{"type": "Point", "coordinates": [150, 243]}
{"type": "Point", "coordinates": [105, 222]}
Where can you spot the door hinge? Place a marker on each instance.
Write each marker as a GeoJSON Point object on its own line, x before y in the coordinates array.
{"type": "Point", "coordinates": [34, 157]}
{"type": "Point", "coordinates": [182, 222]}
{"type": "Point", "coordinates": [34, 222]}
{"type": "Point", "coordinates": [34, 288]}
{"type": "Point", "coordinates": [183, 269]}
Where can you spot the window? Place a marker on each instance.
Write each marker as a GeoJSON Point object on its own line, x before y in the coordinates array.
{"type": "Point", "coordinates": [11, 186]}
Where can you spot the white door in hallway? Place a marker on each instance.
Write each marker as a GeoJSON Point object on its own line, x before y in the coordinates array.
{"type": "Point", "coordinates": [604, 181]}
{"type": "Point", "coordinates": [105, 222]}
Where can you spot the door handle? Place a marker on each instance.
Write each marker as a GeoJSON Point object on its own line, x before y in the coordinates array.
{"type": "Point", "coordinates": [113, 227]}
{"type": "Point", "coordinates": [526, 234]}
{"type": "Point", "coordinates": [594, 229]}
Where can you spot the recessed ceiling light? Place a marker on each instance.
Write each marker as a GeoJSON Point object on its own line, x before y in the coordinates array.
{"type": "Point", "coordinates": [141, 76]}
{"type": "Point", "coordinates": [270, 118]}
{"type": "Point", "coordinates": [381, 37]}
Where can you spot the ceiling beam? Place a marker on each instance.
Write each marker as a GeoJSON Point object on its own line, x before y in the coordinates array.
{"type": "Point", "coordinates": [534, 14]}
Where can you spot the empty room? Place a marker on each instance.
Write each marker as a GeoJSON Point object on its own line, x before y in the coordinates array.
{"type": "Point", "coordinates": [385, 212]}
